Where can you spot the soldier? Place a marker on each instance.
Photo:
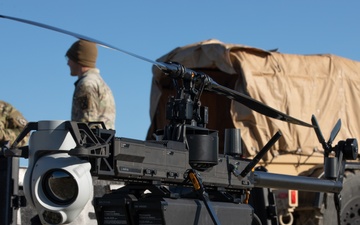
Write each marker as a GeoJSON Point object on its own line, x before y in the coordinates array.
{"type": "Point", "coordinates": [12, 123]}
{"type": "Point", "coordinates": [93, 100]}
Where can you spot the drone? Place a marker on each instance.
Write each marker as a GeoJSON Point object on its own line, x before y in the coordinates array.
{"type": "Point", "coordinates": [181, 169]}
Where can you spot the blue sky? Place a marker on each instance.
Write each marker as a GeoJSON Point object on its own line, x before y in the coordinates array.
{"type": "Point", "coordinates": [36, 80]}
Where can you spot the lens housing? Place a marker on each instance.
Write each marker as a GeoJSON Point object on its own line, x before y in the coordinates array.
{"type": "Point", "coordinates": [60, 186]}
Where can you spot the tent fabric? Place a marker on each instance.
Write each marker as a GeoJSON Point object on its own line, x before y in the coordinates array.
{"type": "Point", "coordinates": [300, 86]}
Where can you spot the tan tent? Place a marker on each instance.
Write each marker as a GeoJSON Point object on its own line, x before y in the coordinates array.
{"type": "Point", "coordinates": [300, 86]}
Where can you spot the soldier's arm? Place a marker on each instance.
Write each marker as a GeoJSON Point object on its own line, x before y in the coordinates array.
{"type": "Point", "coordinates": [85, 103]}
{"type": "Point", "coordinates": [12, 123]}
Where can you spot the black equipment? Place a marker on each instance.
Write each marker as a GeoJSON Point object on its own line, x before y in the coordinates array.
{"type": "Point", "coordinates": [157, 173]}
{"type": "Point", "coordinates": [180, 178]}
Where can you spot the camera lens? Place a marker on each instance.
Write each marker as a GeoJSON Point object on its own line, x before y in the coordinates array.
{"type": "Point", "coordinates": [60, 186]}
{"type": "Point", "coordinates": [52, 217]}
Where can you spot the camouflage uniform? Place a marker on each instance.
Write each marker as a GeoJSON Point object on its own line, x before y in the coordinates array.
{"type": "Point", "coordinates": [93, 100]}
{"type": "Point", "coordinates": [12, 123]}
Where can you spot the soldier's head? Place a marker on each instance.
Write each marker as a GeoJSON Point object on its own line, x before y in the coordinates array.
{"type": "Point", "coordinates": [83, 53]}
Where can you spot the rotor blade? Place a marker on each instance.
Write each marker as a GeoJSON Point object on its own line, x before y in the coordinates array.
{"type": "Point", "coordinates": [319, 133]}
{"type": "Point", "coordinates": [176, 70]}
{"type": "Point", "coordinates": [326, 146]}
{"type": "Point", "coordinates": [160, 65]}
{"type": "Point", "coordinates": [253, 104]}
{"type": "Point", "coordinates": [166, 67]}
{"type": "Point", "coordinates": [334, 132]}
{"type": "Point", "coordinates": [80, 37]}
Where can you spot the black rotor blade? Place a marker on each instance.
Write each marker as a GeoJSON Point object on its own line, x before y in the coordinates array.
{"type": "Point", "coordinates": [176, 70]}
{"type": "Point", "coordinates": [78, 36]}
{"type": "Point", "coordinates": [253, 104]}
{"type": "Point", "coordinates": [160, 65]}
{"type": "Point", "coordinates": [247, 101]}
{"type": "Point", "coordinates": [317, 130]}
{"type": "Point", "coordinates": [319, 135]}
{"type": "Point", "coordinates": [334, 132]}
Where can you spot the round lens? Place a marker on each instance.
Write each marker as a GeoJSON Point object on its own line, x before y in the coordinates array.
{"type": "Point", "coordinates": [52, 217]}
{"type": "Point", "coordinates": [60, 186]}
